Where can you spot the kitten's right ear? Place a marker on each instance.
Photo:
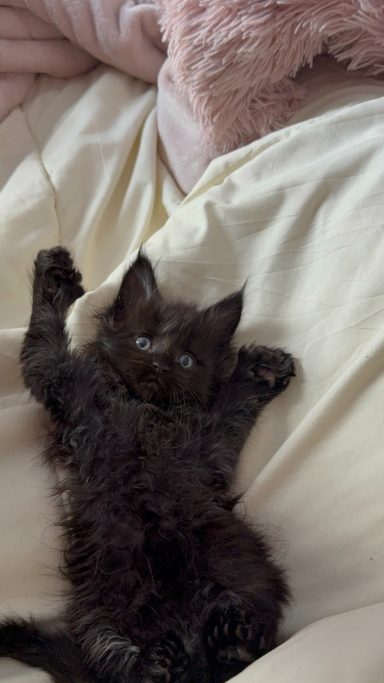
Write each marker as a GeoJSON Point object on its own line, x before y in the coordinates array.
{"type": "Point", "coordinates": [138, 286]}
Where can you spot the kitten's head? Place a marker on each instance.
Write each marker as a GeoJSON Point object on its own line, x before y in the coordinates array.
{"type": "Point", "coordinates": [167, 352]}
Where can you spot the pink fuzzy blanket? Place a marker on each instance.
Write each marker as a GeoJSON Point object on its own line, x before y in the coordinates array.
{"type": "Point", "coordinates": [229, 75]}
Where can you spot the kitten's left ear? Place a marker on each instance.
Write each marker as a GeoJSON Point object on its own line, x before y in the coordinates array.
{"type": "Point", "coordinates": [223, 317]}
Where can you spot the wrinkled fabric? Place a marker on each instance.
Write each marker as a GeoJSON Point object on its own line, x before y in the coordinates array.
{"type": "Point", "coordinates": [299, 215]}
{"type": "Point", "coordinates": [230, 73]}
{"type": "Point", "coordinates": [65, 38]}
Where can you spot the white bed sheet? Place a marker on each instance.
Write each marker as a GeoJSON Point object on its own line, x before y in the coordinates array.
{"type": "Point", "coordinates": [300, 214]}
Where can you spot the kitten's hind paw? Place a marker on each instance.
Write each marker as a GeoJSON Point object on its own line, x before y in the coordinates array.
{"type": "Point", "coordinates": [166, 662]}
{"type": "Point", "coordinates": [55, 278]}
{"type": "Point", "coordinates": [270, 369]}
{"type": "Point", "coordinates": [236, 632]}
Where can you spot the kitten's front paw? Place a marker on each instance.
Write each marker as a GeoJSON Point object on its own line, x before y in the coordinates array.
{"type": "Point", "coordinates": [55, 278]}
{"type": "Point", "coordinates": [270, 369]}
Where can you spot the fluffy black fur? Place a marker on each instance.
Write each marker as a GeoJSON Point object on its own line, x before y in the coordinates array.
{"type": "Point", "coordinates": [167, 583]}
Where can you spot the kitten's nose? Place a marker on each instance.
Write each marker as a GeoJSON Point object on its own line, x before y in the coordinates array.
{"type": "Point", "coordinates": [160, 365]}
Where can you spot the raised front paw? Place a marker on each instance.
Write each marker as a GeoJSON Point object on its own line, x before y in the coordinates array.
{"type": "Point", "coordinates": [55, 278]}
{"type": "Point", "coordinates": [269, 369]}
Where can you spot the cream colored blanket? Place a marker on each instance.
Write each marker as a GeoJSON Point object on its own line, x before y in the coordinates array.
{"type": "Point", "coordinates": [301, 215]}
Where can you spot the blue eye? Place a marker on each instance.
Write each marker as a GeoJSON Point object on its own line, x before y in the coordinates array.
{"type": "Point", "coordinates": [143, 343]}
{"type": "Point", "coordinates": [186, 361]}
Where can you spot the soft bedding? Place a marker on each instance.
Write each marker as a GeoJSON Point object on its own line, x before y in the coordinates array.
{"type": "Point", "coordinates": [300, 216]}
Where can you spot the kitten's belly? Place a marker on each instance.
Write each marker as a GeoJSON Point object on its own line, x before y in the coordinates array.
{"type": "Point", "coordinates": [140, 531]}
{"type": "Point", "coordinates": [135, 532]}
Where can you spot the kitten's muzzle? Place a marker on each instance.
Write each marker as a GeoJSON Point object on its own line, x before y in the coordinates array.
{"type": "Point", "coordinates": [160, 366]}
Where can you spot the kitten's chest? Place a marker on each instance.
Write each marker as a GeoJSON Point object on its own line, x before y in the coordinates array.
{"type": "Point", "coordinates": [159, 433]}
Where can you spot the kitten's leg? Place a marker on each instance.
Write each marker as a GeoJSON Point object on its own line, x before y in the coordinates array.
{"type": "Point", "coordinates": [238, 630]}
{"type": "Point", "coordinates": [45, 355]}
{"type": "Point", "coordinates": [245, 599]}
{"type": "Point", "coordinates": [115, 657]}
{"type": "Point", "coordinates": [107, 653]}
{"type": "Point", "coordinates": [261, 374]}
{"type": "Point", "coordinates": [164, 661]}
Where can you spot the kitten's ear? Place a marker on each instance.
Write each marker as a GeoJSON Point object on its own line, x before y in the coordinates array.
{"type": "Point", "coordinates": [138, 286]}
{"type": "Point", "coordinates": [223, 317]}
{"type": "Point", "coordinates": [139, 281]}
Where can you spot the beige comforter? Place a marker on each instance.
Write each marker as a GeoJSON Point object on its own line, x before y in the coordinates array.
{"type": "Point", "coordinates": [301, 215]}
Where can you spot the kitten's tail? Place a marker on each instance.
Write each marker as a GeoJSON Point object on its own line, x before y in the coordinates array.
{"type": "Point", "coordinates": [39, 645]}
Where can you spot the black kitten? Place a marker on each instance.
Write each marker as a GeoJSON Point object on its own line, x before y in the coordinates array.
{"type": "Point", "coordinates": [167, 583]}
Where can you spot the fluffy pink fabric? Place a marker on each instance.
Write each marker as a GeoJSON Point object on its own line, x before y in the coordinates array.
{"type": "Point", "coordinates": [234, 59]}
{"type": "Point", "coordinates": [229, 75]}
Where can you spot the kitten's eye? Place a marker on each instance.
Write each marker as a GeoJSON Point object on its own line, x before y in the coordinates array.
{"type": "Point", "coordinates": [186, 361]}
{"type": "Point", "coordinates": [143, 343]}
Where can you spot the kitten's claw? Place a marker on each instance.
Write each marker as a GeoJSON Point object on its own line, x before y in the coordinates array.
{"type": "Point", "coordinates": [55, 278]}
{"type": "Point", "coordinates": [270, 369]}
{"type": "Point", "coordinates": [234, 633]}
